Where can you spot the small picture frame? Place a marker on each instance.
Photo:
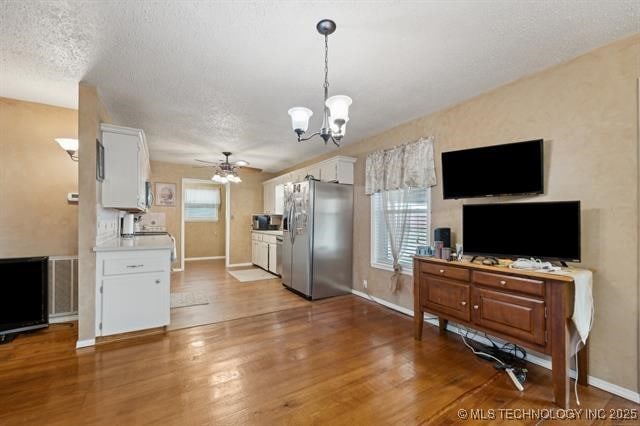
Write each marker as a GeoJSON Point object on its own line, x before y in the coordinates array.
{"type": "Point", "coordinates": [165, 194]}
{"type": "Point", "coordinates": [99, 161]}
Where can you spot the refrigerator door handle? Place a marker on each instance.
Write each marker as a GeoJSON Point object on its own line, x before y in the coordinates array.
{"type": "Point", "coordinates": [292, 223]}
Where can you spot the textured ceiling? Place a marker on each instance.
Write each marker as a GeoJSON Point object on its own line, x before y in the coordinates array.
{"type": "Point", "coordinates": [205, 77]}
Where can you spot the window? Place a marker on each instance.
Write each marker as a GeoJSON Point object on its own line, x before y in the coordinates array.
{"type": "Point", "coordinates": [201, 204]}
{"type": "Point", "coordinates": [417, 227]}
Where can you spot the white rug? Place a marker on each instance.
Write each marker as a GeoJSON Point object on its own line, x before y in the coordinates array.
{"type": "Point", "coordinates": [255, 274]}
{"type": "Point", "coordinates": [182, 300]}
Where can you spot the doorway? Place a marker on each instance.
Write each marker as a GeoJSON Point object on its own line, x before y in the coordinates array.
{"type": "Point", "coordinates": [205, 221]}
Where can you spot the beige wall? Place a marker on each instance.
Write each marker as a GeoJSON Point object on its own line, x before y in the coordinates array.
{"type": "Point", "coordinates": [586, 110]}
{"type": "Point", "coordinates": [35, 177]}
{"type": "Point", "coordinates": [206, 239]}
{"type": "Point", "coordinates": [91, 112]}
{"type": "Point", "coordinates": [246, 199]}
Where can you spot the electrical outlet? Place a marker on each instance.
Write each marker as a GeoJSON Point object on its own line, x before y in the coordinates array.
{"type": "Point", "coordinates": [365, 283]}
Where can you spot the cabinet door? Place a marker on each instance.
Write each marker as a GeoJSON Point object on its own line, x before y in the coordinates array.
{"type": "Point", "coordinates": [329, 171]}
{"type": "Point", "coordinates": [518, 316]}
{"type": "Point", "coordinates": [268, 197]}
{"type": "Point", "coordinates": [264, 255]}
{"type": "Point", "coordinates": [254, 252]}
{"type": "Point", "coordinates": [134, 302]}
{"type": "Point", "coordinates": [445, 296]}
{"type": "Point", "coordinates": [273, 257]}
{"type": "Point", "coordinates": [142, 177]}
{"type": "Point", "coordinates": [279, 199]}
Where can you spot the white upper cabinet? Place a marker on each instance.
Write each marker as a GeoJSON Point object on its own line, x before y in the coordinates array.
{"type": "Point", "coordinates": [279, 199]}
{"type": "Point", "coordinates": [337, 169]}
{"type": "Point", "coordinates": [269, 191]}
{"type": "Point", "coordinates": [126, 168]}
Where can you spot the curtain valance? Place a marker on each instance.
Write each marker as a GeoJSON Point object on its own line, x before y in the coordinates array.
{"type": "Point", "coordinates": [406, 166]}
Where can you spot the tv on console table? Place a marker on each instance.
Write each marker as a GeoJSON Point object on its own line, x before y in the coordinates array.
{"type": "Point", "coordinates": [529, 308]}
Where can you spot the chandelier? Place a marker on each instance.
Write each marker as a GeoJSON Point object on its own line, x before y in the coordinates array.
{"type": "Point", "coordinates": [336, 108]}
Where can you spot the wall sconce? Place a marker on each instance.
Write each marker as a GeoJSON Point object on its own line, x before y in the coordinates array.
{"type": "Point", "coordinates": [69, 145]}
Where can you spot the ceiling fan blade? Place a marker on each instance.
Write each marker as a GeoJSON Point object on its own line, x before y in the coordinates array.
{"type": "Point", "coordinates": [241, 163]}
{"type": "Point", "coordinates": [201, 167]}
{"type": "Point", "coordinates": [208, 162]}
{"type": "Point", "coordinates": [250, 169]}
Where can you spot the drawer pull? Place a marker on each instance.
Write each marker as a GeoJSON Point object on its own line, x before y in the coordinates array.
{"type": "Point", "coordinates": [503, 282]}
{"type": "Point", "coordinates": [463, 303]}
{"type": "Point", "coordinates": [442, 271]}
{"type": "Point", "coordinates": [475, 306]}
{"type": "Point", "coordinates": [135, 266]}
{"type": "Point", "coordinates": [157, 281]}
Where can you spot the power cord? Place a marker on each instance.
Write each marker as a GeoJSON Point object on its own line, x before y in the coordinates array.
{"type": "Point", "coordinates": [518, 375]}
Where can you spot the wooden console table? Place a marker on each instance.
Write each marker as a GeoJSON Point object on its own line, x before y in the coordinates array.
{"type": "Point", "coordinates": [532, 309]}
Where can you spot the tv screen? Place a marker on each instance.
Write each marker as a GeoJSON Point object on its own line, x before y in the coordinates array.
{"type": "Point", "coordinates": [548, 230]}
{"type": "Point", "coordinates": [514, 168]}
{"type": "Point", "coordinates": [23, 294]}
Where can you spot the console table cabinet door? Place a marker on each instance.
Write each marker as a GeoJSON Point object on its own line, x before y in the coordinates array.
{"type": "Point", "coordinates": [447, 296]}
{"type": "Point", "coordinates": [517, 316]}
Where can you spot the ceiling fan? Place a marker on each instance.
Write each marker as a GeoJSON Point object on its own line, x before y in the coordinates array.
{"type": "Point", "coordinates": [226, 171]}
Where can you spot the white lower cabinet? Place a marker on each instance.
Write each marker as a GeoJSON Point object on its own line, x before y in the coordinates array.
{"type": "Point", "coordinates": [133, 290]}
{"type": "Point", "coordinates": [264, 251]}
{"type": "Point", "coordinates": [273, 255]}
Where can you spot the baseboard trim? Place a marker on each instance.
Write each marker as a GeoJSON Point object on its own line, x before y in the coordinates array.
{"type": "Point", "coordinates": [191, 259]}
{"type": "Point", "coordinates": [233, 265]}
{"type": "Point", "coordinates": [542, 362]}
{"type": "Point", "coordinates": [63, 318]}
{"type": "Point", "coordinates": [85, 343]}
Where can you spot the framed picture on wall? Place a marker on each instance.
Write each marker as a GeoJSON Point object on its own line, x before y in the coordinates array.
{"type": "Point", "coordinates": [165, 194]}
{"type": "Point", "coordinates": [99, 161]}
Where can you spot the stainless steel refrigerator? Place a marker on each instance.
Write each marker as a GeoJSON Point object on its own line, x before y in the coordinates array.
{"type": "Point", "coordinates": [318, 236]}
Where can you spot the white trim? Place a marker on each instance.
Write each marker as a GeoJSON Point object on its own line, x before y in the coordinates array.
{"type": "Point", "coordinates": [62, 318]}
{"type": "Point", "coordinates": [177, 269]}
{"type": "Point", "coordinates": [191, 259]}
{"type": "Point", "coordinates": [542, 362]}
{"type": "Point", "coordinates": [227, 224]}
{"type": "Point", "coordinates": [85, 343]}
{"type": "Point", "coordinates": [233, 265]}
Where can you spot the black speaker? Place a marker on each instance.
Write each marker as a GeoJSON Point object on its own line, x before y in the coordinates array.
{"type": "Point", "coordinates": [444, 235]}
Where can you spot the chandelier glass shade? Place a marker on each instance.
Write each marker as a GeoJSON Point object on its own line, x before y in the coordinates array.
{"type": "Point", "coordinates": [335, 108]}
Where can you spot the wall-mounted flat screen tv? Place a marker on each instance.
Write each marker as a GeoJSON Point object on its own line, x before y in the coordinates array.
{"type": "Point", "coordinates": [23, 294]}
{"type": "Point", "coordinates": [508, 169]}
{"type": "Point", "coordinates": [548, 230]}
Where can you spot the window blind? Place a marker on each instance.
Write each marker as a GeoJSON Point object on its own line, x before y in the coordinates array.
{"type": "Point", "coordinates": [201, 204]}
{"type": "Point", "coordinates": [417, 226]}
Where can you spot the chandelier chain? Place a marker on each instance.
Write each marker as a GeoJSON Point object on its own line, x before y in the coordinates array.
{"type": "Point", "coordinates": [326, 61]}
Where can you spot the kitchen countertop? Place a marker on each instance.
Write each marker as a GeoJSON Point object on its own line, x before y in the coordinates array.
{"type": "Point", "coordinates": [258, 231]}
{"type": "Point", "coordinates": [147, 242]}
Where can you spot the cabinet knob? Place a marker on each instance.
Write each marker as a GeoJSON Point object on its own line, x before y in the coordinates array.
{"type": "Point", "coordinates": [442, 271]}
{"type": "Point", "coordinates": [475, 306]}
{"type": "Point", "coordinates": [463, 303]}
{"type": "Point", "coordinates": [503, 282]}
{"type": "Point", "coordinates": [157, 281]}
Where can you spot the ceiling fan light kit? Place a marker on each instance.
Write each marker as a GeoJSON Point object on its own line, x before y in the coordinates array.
{"type": "Point", "coordinates": [336, 108]}
{"type": "Point", "coordinates": [225, 172]}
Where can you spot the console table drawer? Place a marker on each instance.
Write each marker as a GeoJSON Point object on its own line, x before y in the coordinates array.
{"type": "Point", "coordinates": [446, 296]}
{"type": "Point", "coordinates": [506, 282]}
{"type": "Point", "coordinates": [461, 274]}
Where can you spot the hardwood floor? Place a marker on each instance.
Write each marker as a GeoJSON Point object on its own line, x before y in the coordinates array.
{"type": "Point", "coordinates": [336, 361]}
{"type": "Point", "coordinates": [230, 298]}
